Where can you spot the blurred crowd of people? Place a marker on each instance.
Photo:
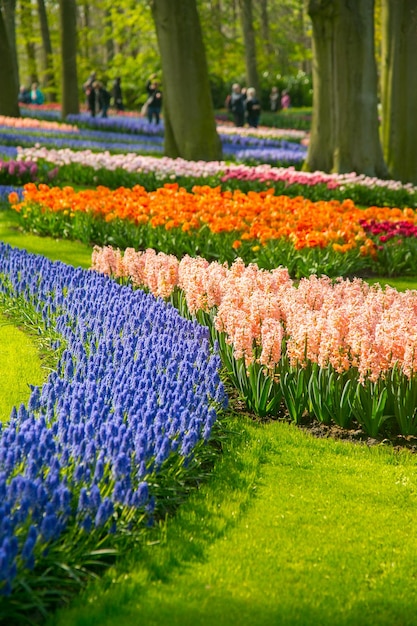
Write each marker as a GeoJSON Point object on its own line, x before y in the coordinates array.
{"type": "Point", "coordinates": [99, 99]}
{"type": "Point", "coordinates": [31, 95]}
{"type": "Point", "coordinates": [246, 107]}
{"type": "Point", "coordinates": [244, 104]}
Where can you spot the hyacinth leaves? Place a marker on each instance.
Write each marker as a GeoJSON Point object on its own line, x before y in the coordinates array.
{"type": "Point", "coordinates": [259, 388]}
{"type": "Point", "coordinates": [330, 395]}
{"type": "Point", "coordinates": [294, 388]}
{"type": "Point", "coordinates": [115, 429]}
{"type": "Point", "coordinates": [369, 405]}
{"type": "Point", "coordinates": [402, 398]}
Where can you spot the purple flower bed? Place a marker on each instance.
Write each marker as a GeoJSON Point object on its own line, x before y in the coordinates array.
{"type": "Point", "coordinates": [135, 385]}
{"type": "Point", "coordinates": [245, 148]}
{"type": "Point", "coordinates": [289, 156]}
{"type": "Point", "coordinates": [9, 152]}
{"type": "Point", "coordinates": [79, 144]}
{"type": "Point", "coordinates": [5, 190]}
{"type": "Point", "coordinates": [83, 134]}
{"type": "Point", "coordinates": [126, 124]}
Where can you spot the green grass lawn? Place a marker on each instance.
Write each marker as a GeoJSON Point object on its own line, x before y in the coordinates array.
{"type": "Point", "coordinates": [20, 366]}
{"type": "Point", "coordinates": [71, 252]}
{"type": "Point", "coordinates": [288, 529]}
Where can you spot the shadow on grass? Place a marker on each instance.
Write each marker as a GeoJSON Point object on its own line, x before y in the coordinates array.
{"type": "Point", "coordinates": [182, 541]}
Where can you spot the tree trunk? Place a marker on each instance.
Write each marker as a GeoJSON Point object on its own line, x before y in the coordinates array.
{"type": "Point", "coordinates": [345, 115]}
{"type": "Point", "coordinates": [9, 86]}
{"type": "Point", "coordinates": [399, 88]}
{"type": "Point", "coordinates": [9, 8]}
{"type": "Point", "coordinates": [190, 128]}
{"type": "Point", "coordinates": [248, 31]}
{"type": "Point", "coordinates": [28, 34]}
{"type": "Point", "coordinates": [109, 38]}
{"type": "Point", "coordinates": [265, 32]}
{"type": "Point", "coordinates": [322, 136]}
{"type": "Point", "coordinates": [48, 70]}
{"type": "Point", "coordinates": [68, 19]}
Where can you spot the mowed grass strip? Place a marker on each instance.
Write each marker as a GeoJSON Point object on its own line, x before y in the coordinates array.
{"type": "Point", "coordinates": [71, 252]}
{"type": "Point", "coordinates": [289, 530]}
{"type": "Point", "coordinates": [20, 366]}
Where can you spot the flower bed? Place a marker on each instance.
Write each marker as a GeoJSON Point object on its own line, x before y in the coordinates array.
{"type": "Point", "coordinates": [130, 404]}
{"type": "Point", "coordinates": [141, 137]}
{"type": "Point", "coordinates": [86, 167]}
{"type": "Point", "coordinates": [306, 237]}
{"type": "Point", "coordinates": [340, 350]}
{"type": "Point", "coordinates": [44, 125]}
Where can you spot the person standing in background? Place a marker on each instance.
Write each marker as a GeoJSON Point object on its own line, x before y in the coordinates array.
{"type": "Point", "coordinates": [274, 99]}
{"type": "Point", "coordinates": [87, 89]}
{"type": "Point", "coordinates": [236, 104]}
{"type": "Point", "coordinates": [36, 96]}
{"type": "Point", "coordinates": [253, 107]}
{"type": "Point", "coordinates": [102, 97]}
{"type": "Point", "coordinates": [91, 99]}
{"type": "Point", "coordinates": [285, 100]}
{"type": "Point", "coordinates": [117, 95]}
{"type": "Point", "coordinates": [154, 103]}
{"type": "Point", "coordinates": [24, 95]}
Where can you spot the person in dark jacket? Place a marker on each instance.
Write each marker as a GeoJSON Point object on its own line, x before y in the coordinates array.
{"type": "Point", "coordinates": [102, 98]}
{"type": "Point", "coordinates": [253, 108]}
{"type": "Point", "coordinates": [88, 88]}
{"type": "Point", "coordinates": [236, 104]}
{"type": "Point", "coordinates": [24, 95]}
{"type": "Point", "coordinates": [117, 95]}
{"type": "Point", "coordinates": [91, 99]}
{"type": "Point", "coordinates": [154, 102]}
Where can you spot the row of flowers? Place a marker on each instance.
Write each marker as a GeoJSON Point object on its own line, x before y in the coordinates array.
{"type": "Point", "coordinates": [89, 168]}
{"type": "Point", "coordinates": [233, 139]}
{"type": "Point", "coordinates": [260, 227]}
{"type": "Point", "coordinates": [30, 122]}
{"type": "Point", "coordinates": [240, 147]}
{"type": "Point", "coordinates": [130, 403]}
{"type": "Point", "coordinates": [132, 123]}
{"type": "Point", "coordinates": [340, 350]}
{"type": "Point", "coordinates": [21, 172]}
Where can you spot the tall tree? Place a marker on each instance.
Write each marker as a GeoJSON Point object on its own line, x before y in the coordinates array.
{"type": "Point", "coordinates": [68, 20]}
{"type": "Point", "coordinates": [345, 133]}
{"type": "Point", "coordinates": [9, 86]}
{"type": "Point", "coordinates": [9, 13]}
{"type": "Point", "coordinates": [399, 88]}
{"type": "Point", "coordinates": [190, 128]}
{"type": "Point", "coordinates": [48, 70]}
{"type": "Point", "coordinates": [26, 19]}
{"type": "Point", "coordinates": [246, 15]}
{"type": "Point", "coordinates": [265, 31]}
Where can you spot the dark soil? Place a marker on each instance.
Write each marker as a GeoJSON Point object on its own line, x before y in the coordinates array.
{"type": "Point", "coordinates": [357, 435]}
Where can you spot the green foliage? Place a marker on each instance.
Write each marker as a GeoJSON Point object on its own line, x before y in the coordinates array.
{"type": "Point", "coordinates": [402, 399]}
{"type": "Point", "coordinates": [294, 385]}
{"type": "Point", "coordinates": [396, 257]}
{"type": "Point", "coordinates": [369, 405]}
{"type": "Point", "coordinates": [331, 394]}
